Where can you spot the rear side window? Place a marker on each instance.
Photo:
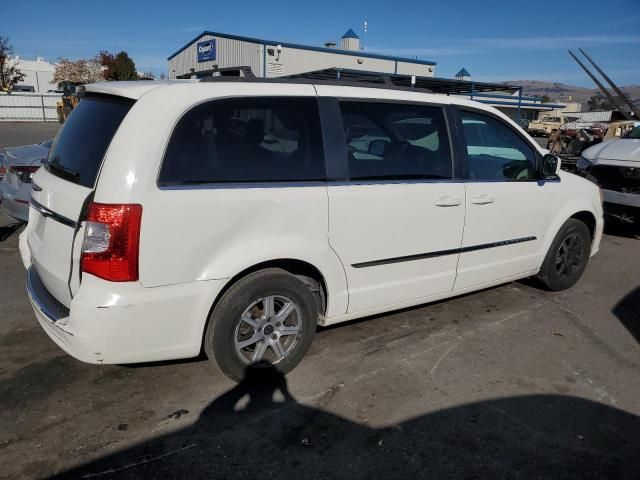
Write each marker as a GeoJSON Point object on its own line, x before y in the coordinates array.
{"type": "Point", "coordinates": [78, 150]}
{"type": "Point", "coordinates": [396, 141]}
{"type": "Point", "coordinates": [264, 139]}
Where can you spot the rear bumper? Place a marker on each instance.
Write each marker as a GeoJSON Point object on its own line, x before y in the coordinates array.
{"type": "Point", "coordinates": [124, 322]}
{"type": "Point", "coordinates": [54, 329]}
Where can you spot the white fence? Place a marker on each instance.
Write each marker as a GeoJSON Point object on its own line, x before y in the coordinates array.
{"type": "Point", "coordinates": [28, 107]}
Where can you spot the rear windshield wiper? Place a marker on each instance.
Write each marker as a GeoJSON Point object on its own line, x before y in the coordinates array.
{"type": "Point", "coordinates": [63, 170]}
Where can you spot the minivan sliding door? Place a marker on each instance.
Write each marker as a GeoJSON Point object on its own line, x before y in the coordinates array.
{"type": "Point", "coordinates": [396, 221]}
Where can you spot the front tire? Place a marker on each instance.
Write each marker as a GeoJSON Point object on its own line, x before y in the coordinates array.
{"type": "Point", "coordinates": [267, 318]}
{"type": "Point", "coordinates": [567, 257]}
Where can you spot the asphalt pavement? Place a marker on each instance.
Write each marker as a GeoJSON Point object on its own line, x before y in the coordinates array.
{"type": "Point", "coordinates": [16, 134]}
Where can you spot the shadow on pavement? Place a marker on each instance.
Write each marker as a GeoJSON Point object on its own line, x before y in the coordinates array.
{"type": "Point", "coordinates": [7, 230]}
{"type": "Point", "coordinates": [628, 312]}
{"type": "Point", "coordinates": [258, 430]}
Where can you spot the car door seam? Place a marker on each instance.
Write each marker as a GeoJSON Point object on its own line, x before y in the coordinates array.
{"type": "Point", "coordinates": [464, 224]}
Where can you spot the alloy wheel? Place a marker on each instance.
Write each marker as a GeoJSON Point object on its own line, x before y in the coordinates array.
{"type": "Point", "coordinates": [268, 330]}
{"type": "Point", "coordinates": [569, 255]}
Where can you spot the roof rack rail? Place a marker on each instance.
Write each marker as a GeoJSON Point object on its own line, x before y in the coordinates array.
{"type": "Point", "coordinates": [344, 76]}
{"type": "Point", "coordinates": [359, 78]}
{"type": "Point", "coordinates": [243, 71]}
{"type": "Point", "coordinates": [446, 86]}
{"type": "Point", "coordinates": [245, 74]}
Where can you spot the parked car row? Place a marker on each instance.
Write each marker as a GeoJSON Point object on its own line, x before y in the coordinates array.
{"type": "Point", "coordinates": [17, 167]}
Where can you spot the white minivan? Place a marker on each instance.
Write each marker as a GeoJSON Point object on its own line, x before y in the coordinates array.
{"type": "Point", "coordinates": [234, 217]}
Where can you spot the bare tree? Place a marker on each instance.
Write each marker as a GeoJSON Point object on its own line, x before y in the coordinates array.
{"type": "Point", "coordinates": [79, 71]}
{"type": "Point", "coordinates": [10, 74]}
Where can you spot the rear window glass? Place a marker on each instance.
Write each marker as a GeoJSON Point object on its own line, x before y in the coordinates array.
{"type": "Point", "coordinates": [80, 146]}
{"type": "Point", "coordinates": [265, 139]}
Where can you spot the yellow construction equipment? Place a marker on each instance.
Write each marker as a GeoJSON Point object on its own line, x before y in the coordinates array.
{"type": "Point", "coordinates": [69, 100]}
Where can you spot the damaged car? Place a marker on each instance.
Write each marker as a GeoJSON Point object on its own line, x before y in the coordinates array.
{"type": "Point", "coordinates": [614, 165]}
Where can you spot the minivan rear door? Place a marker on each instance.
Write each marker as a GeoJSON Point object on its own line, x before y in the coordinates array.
{"type": "Point", "coordinates": [62, 188]}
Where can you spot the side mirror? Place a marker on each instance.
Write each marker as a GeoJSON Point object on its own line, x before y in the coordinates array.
{"type": "Point", "coordinates": [550, 167]}
{"type": "Point", "coordinates": [377, 147]}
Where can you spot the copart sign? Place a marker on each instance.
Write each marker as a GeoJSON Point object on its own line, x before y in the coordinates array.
{"type": "Point", "coordinates": [206, 51]}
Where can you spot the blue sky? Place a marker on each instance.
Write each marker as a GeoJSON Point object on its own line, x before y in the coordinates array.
{"type": "Point", "coordinates": [494, 40]}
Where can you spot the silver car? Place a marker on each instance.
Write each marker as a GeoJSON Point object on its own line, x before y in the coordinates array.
{"type": "Point", "coordinates": [19, 164]}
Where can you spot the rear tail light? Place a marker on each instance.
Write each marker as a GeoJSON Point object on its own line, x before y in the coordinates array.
{"type": "Point", "coordinates": [25, 174]}
{"type": "Point", "coordinates": [111, 241]}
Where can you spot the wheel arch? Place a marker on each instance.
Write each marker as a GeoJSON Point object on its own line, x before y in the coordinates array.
{"type": "Point", "coordinates": [300, 268]}
{"type": "Point", "coordinates": [588, 218]}
{"type": "Point", "coordinates": [580, 210]}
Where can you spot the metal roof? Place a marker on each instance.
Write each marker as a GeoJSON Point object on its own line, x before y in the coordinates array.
{"type": "Point", "coordinates": [446, 86]}
{"type": "Point", "coordinates": [603, 116]}
{"type": "Point", "coordinates": [336, 51]}
{"type": "Point", "coordinates": [463, 73]}
{"type": "Point", "coordinates": [350, 34]}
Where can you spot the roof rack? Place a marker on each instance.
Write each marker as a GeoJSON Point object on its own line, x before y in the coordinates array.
{"type": "Point", "coordinates": [243, 71]}
{"type": "Point", "coordinates": [348, 77]}
{"type": "Point", "coordinates": [447, 86]}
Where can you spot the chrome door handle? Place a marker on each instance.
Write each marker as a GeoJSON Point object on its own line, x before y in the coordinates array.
{"type": "Point", "coordinates": [447, 201]}
{"type": "Point", "coordinates": [483, 199]}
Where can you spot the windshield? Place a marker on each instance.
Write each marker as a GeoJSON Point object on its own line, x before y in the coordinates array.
{"type": "Point", "coordinates": [635, 133]}
{"type": "Point", "coordinates": [80, 146]}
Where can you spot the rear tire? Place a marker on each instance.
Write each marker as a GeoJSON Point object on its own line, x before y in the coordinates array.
{"type": "Point", "coordinates": [567, 257]}
{"type": "Point", "coordinates": [266, 319]}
